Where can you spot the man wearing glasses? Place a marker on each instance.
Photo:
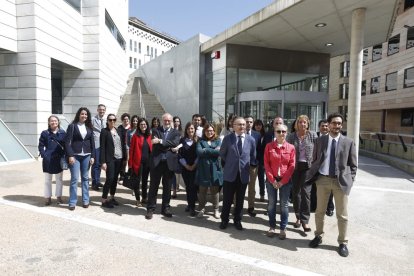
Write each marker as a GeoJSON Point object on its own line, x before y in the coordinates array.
{"type": "Point", "coordinates": [163, 163]}
{"type": "Point", "coordinates": [334, 166]}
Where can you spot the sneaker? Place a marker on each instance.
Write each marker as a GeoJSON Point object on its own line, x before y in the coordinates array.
{"type": "Point", "coordinates": [107, 204]}
{"type": "Point", "coordinates": [200, 214]}
{"type": "Point", "coordinates": [114, 201]}
{"type": "Point", "coordinates": [271, 232]}
{"type": "Point", "coordinates": [149, 214]}
{"type": "Point", "coordinates": [216, 214]}
{"type": "Point", "coordinates": [282, 234]}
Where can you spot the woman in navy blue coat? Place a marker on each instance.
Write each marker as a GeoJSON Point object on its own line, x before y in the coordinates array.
{"type": "Point", "coordinates": [51, 149]}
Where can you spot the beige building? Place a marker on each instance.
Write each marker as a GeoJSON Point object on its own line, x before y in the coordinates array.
{"type": "Point", "coordinates": [387, 94]}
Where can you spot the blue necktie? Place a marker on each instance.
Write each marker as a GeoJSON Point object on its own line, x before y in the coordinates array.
{"type": "Point", "coordinates": [332, 159]}
{"type": "Point", "coordinates": [240, 145]}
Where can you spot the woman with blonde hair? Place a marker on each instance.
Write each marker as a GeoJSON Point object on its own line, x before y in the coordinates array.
{"type": "Point", "coordinates": [303, 139]}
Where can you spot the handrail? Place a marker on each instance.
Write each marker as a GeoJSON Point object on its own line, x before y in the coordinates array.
{"type": "Point", "coordinates": [220, 116]}
{"type": "Point", "coordinates": [382, 135]}
{"type": "Point", "coordinates": [277, 87]}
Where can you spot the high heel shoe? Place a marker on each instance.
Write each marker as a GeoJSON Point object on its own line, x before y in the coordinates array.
{"type": "Point", "coordinates": [306, 229]}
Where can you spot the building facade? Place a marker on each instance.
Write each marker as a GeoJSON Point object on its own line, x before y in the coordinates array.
{"type": "Point", "coordinates": [146, 43]}
{"type": "Point", "coordinates": [387, 88]}
{"type": "Point", "coordinates": [56, 56]}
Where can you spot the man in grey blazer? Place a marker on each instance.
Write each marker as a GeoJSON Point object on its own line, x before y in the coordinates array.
{"type": "Point", "coordinates": [237, 151]}
{"type": "Point", "coordinates": [334, 167]}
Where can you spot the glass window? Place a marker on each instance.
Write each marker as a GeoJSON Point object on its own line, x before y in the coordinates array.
{"type": "Point", "coordinates": [255, 80]}
{"type": "Point", "coordinates": [114, 30]}
{"type": "Point", "coordinates": [130, 44]}
{"type": "Point", "coordinates": [76, 4]}
{"type": "Point", "coordinates": [343, 110]}
{"type": "Point", "coordinates": [152, 51]}
{"type": "Point", "coordinates": [139, 47]}
{"type": "Point", "coordinates": [363, 87]}
{"type": "Point", "coordinates": [343, 91]}
{"type": "Point", "coordinates": [345, 69]}
{"type": "Point", "coordinates": [303, 82]}
{"type": "Point", "coordinates": [11, 149]}
{"type": "Point", "coordinates": [391, 81]}
{"type": "Point", "coordinates": [408, 4]}
{"type": "Point", "coordinates": [156, 52]}
{"type": "Point", "coordinates": [130, 62]}
{"type": "Point", "coordinates": [148, 50]}
{"type": "Point", "coordinates": [135, 46]}
{"type": "Point", "coordinates": [139, 62]}
{"type": "Point", "coordinates": [365, 57]}
{"type": "Point", "coordinates": [407, 117]}
{"type": "Point", "coordinates": [135, 63]}
{"type": "Point", "coordinates": [409, 77]}
{"type": "Point", "coordinates": [375, 83]}
{"type": "Point", "coordinates": [376, 52]}
{"type": "Point", "coordinates": [410, 37]}
{"type": "Point", "coordinates": [394, 45]}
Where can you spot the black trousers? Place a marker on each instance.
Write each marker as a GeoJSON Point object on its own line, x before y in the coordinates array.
{"type": "Point", "coordinates": [160, 171]}
{"type": "Point", "coordinates": [229, 190]}
{"type": "Point", "coordinates": [112, 171]}
{"type": "Point", "coordinates": [190, 187]}
{"type": "Point", "coordinates": [144, 171]}
{"type": "Point", "coordinates": [301, 192]}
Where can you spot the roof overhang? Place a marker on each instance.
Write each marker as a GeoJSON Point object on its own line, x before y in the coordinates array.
{"type": "Point", "coordinates": [290, 24]}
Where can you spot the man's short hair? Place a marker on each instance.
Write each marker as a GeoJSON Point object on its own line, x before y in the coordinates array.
{"type": "Point", "coordinates": [101, 105]}
{"type": "Point", "coordinates": [335, 115]}
{"type": "Point", "coordinates": [323, 121]}
{"type": "Point", "coordinates": [196, 116]}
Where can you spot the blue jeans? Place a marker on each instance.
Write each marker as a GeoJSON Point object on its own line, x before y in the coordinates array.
{"type": "Point", "coordinates": [284, 193]}
{"type": "Point", "coordinates": [81, 166]}
{"type": "Point", "coordinates": [96, 169]}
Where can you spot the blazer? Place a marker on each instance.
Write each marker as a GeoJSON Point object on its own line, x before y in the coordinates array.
{"type": "Point", "coordinates": [51, 149]}
{"type": "Point", "coordinates": [257, 137]}
{"type": "Point", "coordinates": [233, 161]}
{"type": "Point", "coordinates": [309, 141]}
{"type": "Point", "coordinates": [107, 147]}
{"type": "Point", "coordinates": [345, 164]}
{"type": "Point", "coordinates": [172, 140]}
{"type": "Point", "coordinates": [74, 143]}
{"type": "Point", "coordinates": [135, 151]}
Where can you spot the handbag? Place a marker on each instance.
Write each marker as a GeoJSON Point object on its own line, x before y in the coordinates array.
{"type": "Point", "coordinates": [64, 163]}
{"type": "Point", "coordinates": [131, 180]}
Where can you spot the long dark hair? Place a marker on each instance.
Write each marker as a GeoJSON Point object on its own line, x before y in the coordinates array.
{"type": "Point", "coordinates": [259, 122]}
{"type": "Point", "coordinates": [132, 121]}
{"type": "Point", "coordinates": [147, 131]}
{"type": "Point", "coordinates": [231, 119]}
{"type": "Point", "coordinates": [155, 119]}
{"type": "Point", "coordinates": [180, 128]}
{"type": "Point", "coordinates": [187, 126]}
{"type": "Point", "coordinates": [207, 126]}
{"type": "Point", "coordinates": [88, 122]}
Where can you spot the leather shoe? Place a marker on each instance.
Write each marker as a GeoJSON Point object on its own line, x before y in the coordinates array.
{"type": "Point", "coordinates": [95, 188]}
{"type": "Point", "coordinates": [100, 185]}
{"type": "Point", "coordinates": [166, 213]}
{"type": "Point", "coordinates": [315, 242]}
{"type": "Point", "coordinates": [71, 208]}
{"type": "Point", "coordinates": [306, 229]}
{"type": "Point", "coordinates": [329, 213]}
{"type": "Point", "coordinates": [85, 205]}
{"type": "Point", "coordinates": [251, 212]}
{"type": "Point", "coordinates": [343, 250]}
{"type": "Point", "coordinates": [149, 214]}
{"type": "Point", "coordinates": [238, 225]}
{"type": "Point", "coordinates": [223, 224]}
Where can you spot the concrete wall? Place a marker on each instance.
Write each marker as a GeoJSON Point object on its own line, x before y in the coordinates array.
{"type": "Point", "coordinates": [175, 77]}
{"type": "Point", "coordinates": [8, 36]}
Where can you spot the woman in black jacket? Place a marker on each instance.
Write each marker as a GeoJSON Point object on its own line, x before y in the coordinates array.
{"type": "Point", "coordinates": [80, 148]}
{"type": "Point", "coordinates": [112, 155]}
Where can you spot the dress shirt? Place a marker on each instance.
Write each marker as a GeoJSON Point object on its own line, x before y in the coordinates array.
{"type": "Point", "coordinates": [324, 169]}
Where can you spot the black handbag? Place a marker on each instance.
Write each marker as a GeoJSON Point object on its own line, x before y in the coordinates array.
{"type": "Point", "coordinates": [131, 180]}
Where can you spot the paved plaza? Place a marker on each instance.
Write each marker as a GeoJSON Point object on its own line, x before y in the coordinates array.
{"type": "Point", "coordinates": [38, 240]}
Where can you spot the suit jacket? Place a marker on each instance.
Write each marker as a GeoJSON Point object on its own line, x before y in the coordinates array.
{"type": "Point", "coordinates": [107, 147]}
{"type": "Point", "coordinates": [233, 161]}
{"type": "Point", "coordinates": [345, 163]}
{"type": "Point", "coordinates": [172, 140]}
{"type": "Point", "coordinates": [257, 137]}
{"type": "Point", "coordinates": [309, 141]}
{"type": "Point", "coordinates": [74, 143]}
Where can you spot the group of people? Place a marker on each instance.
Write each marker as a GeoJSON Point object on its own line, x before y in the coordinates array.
{"type": "Point", "coordinates": [288, 164]}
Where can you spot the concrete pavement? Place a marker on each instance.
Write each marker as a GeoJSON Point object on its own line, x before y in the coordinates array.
{"type": "Point", "coordinates": [38, 240]}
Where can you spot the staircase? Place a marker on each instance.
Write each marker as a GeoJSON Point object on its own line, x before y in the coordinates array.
{"type": "Point", "coordinates": [137, 101]}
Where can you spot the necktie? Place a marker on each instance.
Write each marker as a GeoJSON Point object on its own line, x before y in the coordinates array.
{"type": "Point", "coordinates": [332, 159]}
{"type": "Point", "coordinates": [240, 145]}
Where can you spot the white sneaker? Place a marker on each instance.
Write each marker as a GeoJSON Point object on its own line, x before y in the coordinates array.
{"type": "Point", "coordinates": [216, 214]}
{"type": "Point", "coordinates": [200, 214]}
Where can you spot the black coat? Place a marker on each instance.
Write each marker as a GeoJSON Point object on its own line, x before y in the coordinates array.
{"type": "Point", "coordinates": [107, 147]}
{"type": "Point", "coordinates": [173, 139]}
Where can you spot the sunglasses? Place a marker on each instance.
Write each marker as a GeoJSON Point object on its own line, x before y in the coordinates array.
{"type": "Point", "coordinates": [280, 131]}
{"type": "Point", "coordinates": [111, 120]}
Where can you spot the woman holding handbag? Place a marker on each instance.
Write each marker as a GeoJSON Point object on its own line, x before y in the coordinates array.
{"type": "Point", "coordinates": [112, 156]}
{"type": "Point", "coordinates": [51, 149]}
{"type": "Point", "coordinates": [80, 148]}
{"type": "Point", "coordinates": [139, 154]}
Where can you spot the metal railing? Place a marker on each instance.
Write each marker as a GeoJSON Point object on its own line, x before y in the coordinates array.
{"type": "Point", "coordinates": [403, 139]}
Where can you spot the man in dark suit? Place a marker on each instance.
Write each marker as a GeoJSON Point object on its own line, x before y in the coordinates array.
{"type": "Point", "coordinates": [334, 167]}
{"type": "Point", "coordinates": [163, 163]}
{"type": "Point", "coordinates": [237, 151]}
{"type": "Point", "coordinates": [251, 194]}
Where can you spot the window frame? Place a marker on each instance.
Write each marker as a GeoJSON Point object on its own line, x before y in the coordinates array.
{"type": "Point", "coordinates": [379, 83]}
{"type": "Point", "coordinates": [396, 81]}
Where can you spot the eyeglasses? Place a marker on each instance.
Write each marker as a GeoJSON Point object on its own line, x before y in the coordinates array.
{"type": "Point", "coordinates": [111, 120]}
{"type": "Point", "coordinates": [280, 131]}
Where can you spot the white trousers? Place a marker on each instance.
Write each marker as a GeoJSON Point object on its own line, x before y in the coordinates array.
{"type": "Point", "coordinates": [48, 184]}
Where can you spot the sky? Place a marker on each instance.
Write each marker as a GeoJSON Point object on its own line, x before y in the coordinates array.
{"type": "Point", "coordinates": [183, 19]}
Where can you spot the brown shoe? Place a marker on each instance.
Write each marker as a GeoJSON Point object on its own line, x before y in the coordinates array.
{"type": "Point", "coordinates": [271, 233]}
{"type": "Point", "coordinates": [282, 235]}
